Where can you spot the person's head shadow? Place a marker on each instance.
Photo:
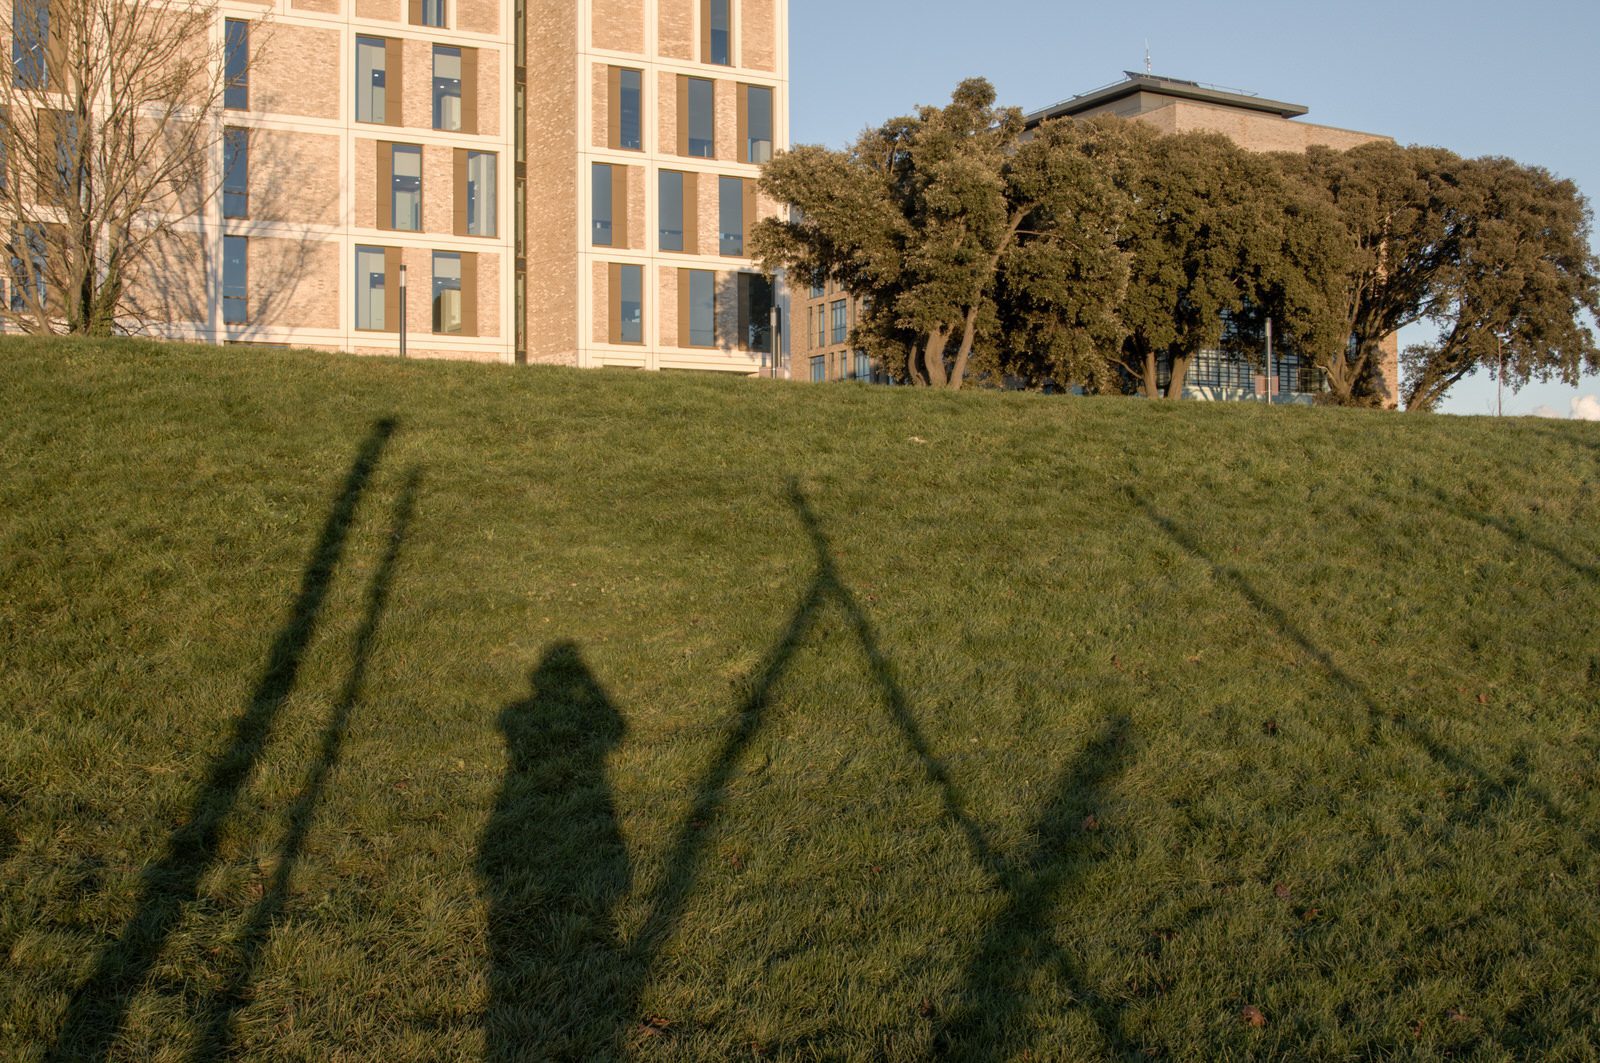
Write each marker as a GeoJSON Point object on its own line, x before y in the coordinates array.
{"type": "Point", "coordinates": [554, 868]}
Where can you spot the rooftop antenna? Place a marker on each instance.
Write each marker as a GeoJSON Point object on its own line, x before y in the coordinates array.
{"type": "Point", "coordinates": [1148, 69]}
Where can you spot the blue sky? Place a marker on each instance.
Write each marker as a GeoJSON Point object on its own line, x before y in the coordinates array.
{"type": "Point", "coordinates": [1476, 77]}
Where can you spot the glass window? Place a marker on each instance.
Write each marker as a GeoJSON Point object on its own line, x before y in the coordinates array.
{"type": "Point", "coordinates": [702, 119]}
{"type": "Point", "coordinates": [630, 110]}
{"type": "Point", "coordinates": [29, 242]}
{"type": "Point", "coordinates": [816, 289]}
{"type": "Point", "coordinates": [371, 67]}
{"type": "Point", "coordinates": [756, 290]}
{"type": "Point", "coordinates": [433, 13]}
{"type": "Point", "coordinates": [482, 219]}
{"type": "Point", "coordinates": [822, 327]}
{"type": "Point", "coordinates": [235, 279]}
{"type": "Point", "coordinates": [30, 25]}
{"type": "Point", "coordinates": [702, 308]}
{"type": "Point", "coordinates": [446, 292]}
{"type": "Point", "coordinates": [601, 207]}
{"type": "Point", "coordinates": [630, 297]}
{"type": "Point", "coordinates": [671, 210]}
{"type": "Point", "coordinates": [758, 123]}
{"type": "Point", "coordinates": [721, 37]}
{"type": "Point", "coordinates": [369, 288]}
{"type": "Point", "coordinates": [730, 214]}
{"type": "Point", "coordinates": [407, 184]}
{"type": "Point", "coordinates": [863, 366]}
{"type": "Point", "coordinates": [236, 63]}
{"type": "Point", "coordinates": [819, 369]}
{"type": "Point", "coordinates": [446, 87]}
{"type": "Point", "coordinates": [840, 329]}
{"type": "Point", "coordinates": [235, 172]}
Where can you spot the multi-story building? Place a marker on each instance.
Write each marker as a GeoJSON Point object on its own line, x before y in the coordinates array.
{"type": "Point", "coordinates": [554, 181]}
{"type": "Point", "coordinates": [1171, 106]}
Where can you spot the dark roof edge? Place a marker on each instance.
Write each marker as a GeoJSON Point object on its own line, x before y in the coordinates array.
{"type": "Point", "coordinates": [1184, 90]}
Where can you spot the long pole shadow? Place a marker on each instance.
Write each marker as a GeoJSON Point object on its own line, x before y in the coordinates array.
{"type": "Point", "coordinates": [993, 995]}
{"type": "Point", "coordinates": [1517, 535]}
{"type": "Point", "coordinates": [1488, 789]}
{"type": "Point", "coordinates": [99, 1008]}
{"type": "Point", "coordinates": [686, 855]}
{"type": "Point", "coordinates": [216, 1038]}
{"type": "Point", "coordinates": [1032, 891]}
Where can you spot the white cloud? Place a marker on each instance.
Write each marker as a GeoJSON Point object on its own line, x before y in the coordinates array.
{"type": "Point", "coordinates": [1548, 411]}
{"type": "Point", "coordinates": [1586, 408]}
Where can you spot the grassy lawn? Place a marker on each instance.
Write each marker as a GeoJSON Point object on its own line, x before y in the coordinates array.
{"type": "Point", "coordinates": [356, 709]}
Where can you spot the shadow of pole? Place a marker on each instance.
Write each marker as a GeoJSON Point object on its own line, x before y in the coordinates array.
{"type": "Point", "coordinates": [1488, 788]}
{"type": "Point", "coordinates": [98, 1009]}
{"type": "Point", "coordinates": [994, 993]}
{"type": "Point", "coordinates": [215, 1039]}
{"type": "Point", "coordinates": [686, 857]}
{"type": "Point", "coordinates": [1519, 536]}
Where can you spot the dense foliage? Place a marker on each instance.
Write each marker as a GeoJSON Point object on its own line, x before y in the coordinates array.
{"type": "Point", "coordinates": [1091, 253]}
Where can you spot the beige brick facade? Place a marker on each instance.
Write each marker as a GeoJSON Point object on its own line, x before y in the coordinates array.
{"type": "Point", "coordinates": [664, 41]}
{"type": "Point", "coordinates": [316, 181]}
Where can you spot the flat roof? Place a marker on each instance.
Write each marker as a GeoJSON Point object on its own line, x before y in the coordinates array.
{"type": "Point", "coordinates": [1161, 86]}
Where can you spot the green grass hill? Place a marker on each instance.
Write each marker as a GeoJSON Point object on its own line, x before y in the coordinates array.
{"type": "Point", "coordinates": [372, 710]}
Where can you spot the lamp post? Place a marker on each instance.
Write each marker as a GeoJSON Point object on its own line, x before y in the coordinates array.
{"type": "Point", "coordinates": [402, 310]}
{"type": "Point", "coordinates": [1499, 377]}
{"type": "Point", "coordinates": [1269, 361]}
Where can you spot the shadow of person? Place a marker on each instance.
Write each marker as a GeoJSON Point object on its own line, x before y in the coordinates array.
{"type": "Point", "coordinates": [553, 868]}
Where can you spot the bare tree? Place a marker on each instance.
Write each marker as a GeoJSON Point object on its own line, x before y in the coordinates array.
{"type": "Point", "coordinates": [111, 140]}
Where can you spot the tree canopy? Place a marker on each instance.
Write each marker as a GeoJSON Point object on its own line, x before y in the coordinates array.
{"type": "Point", "coordinates": [1095, 253]}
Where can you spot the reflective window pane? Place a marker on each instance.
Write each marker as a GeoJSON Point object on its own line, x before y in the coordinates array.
{"type": "Point", "coordinates": [630, 111]}
{"type": "Point", "coordinates": [759, 123]}
{"type": "Point", "coordinates": [235, 278]}
{"type": "Point", "coordinates": [702, 119]}
{"type": "Point", "coordinates": [446, 292]}
{"type": "Point", "coordinates": [446, 87]}
{"type": "Point", "coordinates": [407, 202]}
{"type": "Point", "coordinates": [671, 210]}
{"type": "Point", "coordinates": [370, 79]}
{"type": "Point", "coordinates": [370, 281]}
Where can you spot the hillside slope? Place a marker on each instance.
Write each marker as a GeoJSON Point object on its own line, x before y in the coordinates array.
{"type": "Point", "coordinates": [363, 709]}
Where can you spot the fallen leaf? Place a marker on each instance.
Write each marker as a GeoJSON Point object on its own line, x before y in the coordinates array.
{"type": "Point", "coordinates": [1456, 1015]}
{"type": "Point", "coordinates": [736, 862]}
{"type": "Point", "coordinates": [1483, 699]}
{"type": "Point", "coordinates": [1282, 891]}
{"type": "Point", "coordinates": [1310, 913]}
{"type": "Point", "coordinates": [655, 1026]}
{"type": "Point", "coordinates": [1253, 1015]}
{"type": "Point", "coordinates": [1116, 662]}
{"type": "Point", "coordinates": [925, 1009]}
{"type": "Point", "coordinates": [1091, 822]}
{"type": "Point", "coordinates": [919, 441]}
{"type": "Point", "coordinates": [1270, 727]}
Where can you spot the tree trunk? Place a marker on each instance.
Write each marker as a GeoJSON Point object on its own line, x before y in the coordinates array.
{"type": "Point", "coordinates": [968, 335]}
{"type": "Point", "coordinates": [1152, 390]}
{"type": "Point", "coordinates": [933, 359]}
{"type": "Point", "coordinates": [1180, 372]}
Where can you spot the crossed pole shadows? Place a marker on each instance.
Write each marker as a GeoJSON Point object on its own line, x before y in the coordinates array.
{"type": "Point", "coordinates": [215, 1039]}
{"type": "Point", "coordinates": [1488, 788]}
{"type": "Point", "coordinates": [554, 841]}
{"type": "Point", "coordinates": [99, 1008]}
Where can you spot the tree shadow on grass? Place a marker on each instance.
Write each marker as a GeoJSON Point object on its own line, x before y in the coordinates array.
{"type": "Point", "coordinates": [215, 1039]}
{"type": "Point", "coordinates": [554, 865]}
{"type": "Point", "coordinates": [98, 1009]}
{"type": "Point", "coordinates": [1489, 789]}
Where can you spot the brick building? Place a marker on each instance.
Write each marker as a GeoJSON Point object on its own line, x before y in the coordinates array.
{"type": "Point", "coordinates": [561, 181]}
